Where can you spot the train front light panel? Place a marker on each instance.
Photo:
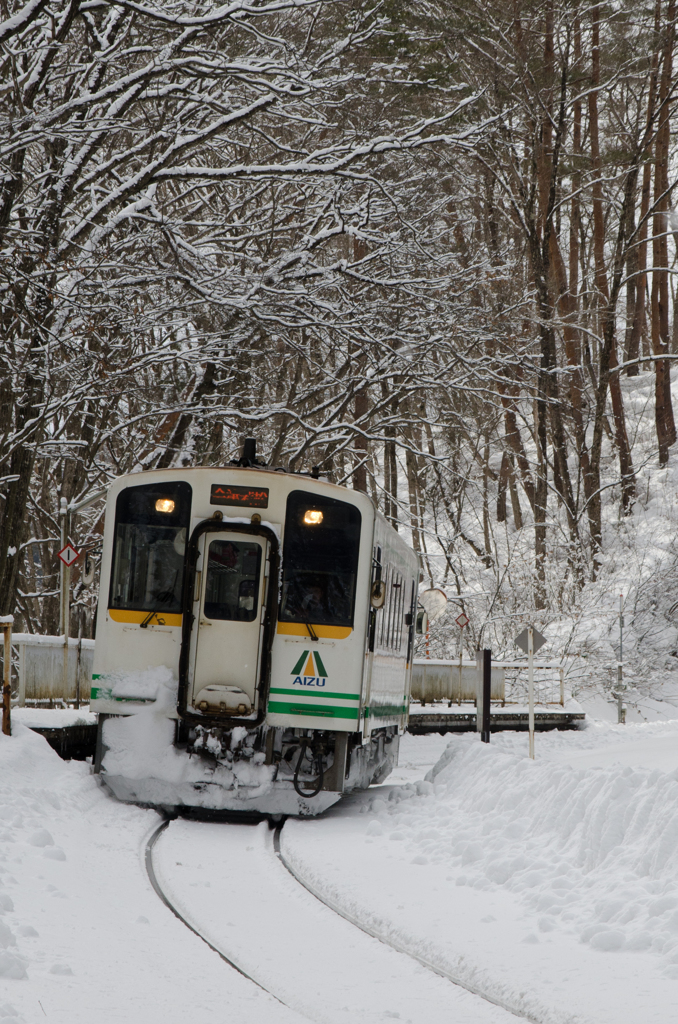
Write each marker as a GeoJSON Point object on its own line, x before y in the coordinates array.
{"type": "Point", "coordinates": [165, 505]}
{"type": "Point", "coordinates": [313, 517]}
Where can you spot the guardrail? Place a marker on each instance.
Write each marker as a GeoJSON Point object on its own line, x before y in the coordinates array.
{"type": "Point", "coordinates": [438, 679]}
{"type": "Point", "coordinates": [47, 670]}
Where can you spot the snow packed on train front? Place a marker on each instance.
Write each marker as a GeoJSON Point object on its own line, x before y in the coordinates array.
{"type": "Point", "coordinates": [254, 640]}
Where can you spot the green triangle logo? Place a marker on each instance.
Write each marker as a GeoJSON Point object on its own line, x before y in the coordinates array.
{"type": "Point", "coordinates": [299, 665]}
{"type": "Point", "coordinates": [309, 664]}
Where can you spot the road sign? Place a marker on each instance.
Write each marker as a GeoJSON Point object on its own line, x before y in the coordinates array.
{"type": "Point", "coordinates": [462, 620]}
{"type": "Point", "coordinates": [537, 640]}
{"type": "Point", "coordinates": [68, 555]}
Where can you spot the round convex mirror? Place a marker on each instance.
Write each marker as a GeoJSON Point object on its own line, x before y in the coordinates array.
{"type": "Point", "coordinates": [434, 601]}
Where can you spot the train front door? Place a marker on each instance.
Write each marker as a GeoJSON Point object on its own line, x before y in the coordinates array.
{"type": "Point", "coordinates": [231, 584]}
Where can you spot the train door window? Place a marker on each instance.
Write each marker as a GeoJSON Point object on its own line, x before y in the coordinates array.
{"type": "Point", "coordinates": [320, 560]}
{"type": "Point", "coordinates": [232, 582]}
{"type": "Point", "coordinates": [151, 524]}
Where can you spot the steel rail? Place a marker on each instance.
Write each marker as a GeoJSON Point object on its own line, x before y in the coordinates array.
{"type": "Point", "coordinates": [153, 879]}
{"type": "Point", "coordinates": [330, 905]}
{"type": "Point", "coordinates": [399, 947]}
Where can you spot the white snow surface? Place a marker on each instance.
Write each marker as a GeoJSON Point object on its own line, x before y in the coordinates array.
{"type": "Point", "coordinates": [53, 718]}
{"type": "Point", "coordinates": [83, 937]}
{"type": "Point", "coordinates": [319, 964]}
{"type": "Point", "coordinates": [141, 747]}
{"type": "Point", "coordinates": [550, 887]}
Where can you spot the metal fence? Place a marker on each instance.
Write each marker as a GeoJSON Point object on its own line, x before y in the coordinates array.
{"type": "Point", "coordinates": [46, 671]}
{"type": "Point", "coordinates": [435, 679]}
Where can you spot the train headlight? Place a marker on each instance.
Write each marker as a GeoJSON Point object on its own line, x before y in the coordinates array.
{"type": "Point", "coordinates": [165, 505]}
{"type": "Point", "coordinates": [313, 517]}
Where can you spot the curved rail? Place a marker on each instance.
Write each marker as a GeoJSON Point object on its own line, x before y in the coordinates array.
{"type": "Point", "coordinates": [399, 947]}
{"type": "Point", "coordinates": [152, 877]}
{"type": "Point", "coordinates": [335, 908]}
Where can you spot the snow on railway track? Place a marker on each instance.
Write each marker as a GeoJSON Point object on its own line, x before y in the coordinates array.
{"type": "Point", "coordinates": [226, 883]}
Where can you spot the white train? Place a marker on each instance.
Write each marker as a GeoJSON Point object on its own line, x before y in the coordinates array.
{"type": "Point", "coordinates": [254, 640]}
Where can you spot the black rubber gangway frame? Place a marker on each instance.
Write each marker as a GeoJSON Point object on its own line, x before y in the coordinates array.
{"type": "Point", "coordinates": [217, 525]}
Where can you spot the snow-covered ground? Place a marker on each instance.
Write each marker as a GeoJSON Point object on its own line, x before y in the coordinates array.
{"type": "Point", "coordinates": [550, 887]}
{"type": "Point", "coordinates": [83, 937]}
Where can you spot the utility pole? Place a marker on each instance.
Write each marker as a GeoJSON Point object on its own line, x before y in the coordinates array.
{"type": "Point", "coordinates": [6, 622]}
{"type": "Point", "coordinates": [65, 587]}
{"type": "Point", "coordinates": [67, 555]}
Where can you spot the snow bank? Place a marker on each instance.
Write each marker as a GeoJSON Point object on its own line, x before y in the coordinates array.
{"type": "Point", "coordinates": [593, 852]}
{"type": "Point", "coordinates": [550, 889]}
{"type": "Point", "coordinates": [83, 937]}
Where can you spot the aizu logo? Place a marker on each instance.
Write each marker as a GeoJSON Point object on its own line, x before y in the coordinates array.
{"type": "Point", "coordinates": [309, 670]}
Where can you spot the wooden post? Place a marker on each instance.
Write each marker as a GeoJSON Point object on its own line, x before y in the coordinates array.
{"type": "Point", "coordinates": [6, 622]}
{"type": "Point", "coordinates": [562, 686]}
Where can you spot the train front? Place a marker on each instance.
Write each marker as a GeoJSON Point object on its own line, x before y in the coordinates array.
{"type": "Point", "coordinates": [230, 641]}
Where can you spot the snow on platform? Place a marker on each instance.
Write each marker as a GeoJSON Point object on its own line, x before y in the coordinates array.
{"type": "Point", "coordinates": [71, 732]}
{"type": "Point", "coordinates": [53, 718]}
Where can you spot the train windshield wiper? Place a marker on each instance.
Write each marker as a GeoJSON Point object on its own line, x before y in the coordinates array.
{"type": "Point", "coordinates": [311, 631]}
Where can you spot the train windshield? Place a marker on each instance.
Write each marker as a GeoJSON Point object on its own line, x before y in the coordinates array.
{"type": "Point", "coordinates": [320, 560]}
{"type": "Point", "coordinates": [151, 525]}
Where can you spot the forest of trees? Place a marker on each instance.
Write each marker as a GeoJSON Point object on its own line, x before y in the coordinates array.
{"type": "Point", "coordinates": [425, 246]}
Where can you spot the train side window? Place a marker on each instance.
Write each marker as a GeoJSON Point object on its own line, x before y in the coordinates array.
{"type": "Point", "coordinates": [320, 560]}
{"type": "Point", "coordinates": [232, 583]}
{"type": "Point", "coordinates": [390, 630]}
{"type": "Point", "coordinates": [151, 525]}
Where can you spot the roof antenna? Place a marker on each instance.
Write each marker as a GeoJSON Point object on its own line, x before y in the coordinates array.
{"type": "Point", "coordinates": [249, 454]}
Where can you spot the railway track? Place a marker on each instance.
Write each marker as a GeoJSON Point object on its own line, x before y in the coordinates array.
{"type": "Point", "coordinates": [150, 871]}
{"type": "Point", "coordinates": [308, 954]}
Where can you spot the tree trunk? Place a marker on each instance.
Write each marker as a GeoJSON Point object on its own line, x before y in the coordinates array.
{"type": "Point", "coordinates": [628, 482]}
{"type": "Point", "coordinates": [359, 443]}
{"type": "Point", "coordinates": [665, 423]}
{"type": "Point", "coordinates": [638, 324]}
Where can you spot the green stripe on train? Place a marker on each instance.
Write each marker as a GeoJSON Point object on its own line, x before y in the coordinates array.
{"type": "Point", "coordinates": [277, 707]}
{"type": "Point", "coordinates": [389, 710]}
{"type": "Point", "coordinates": [314, 691]}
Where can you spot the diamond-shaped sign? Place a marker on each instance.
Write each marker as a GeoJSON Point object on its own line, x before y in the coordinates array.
{"type": "Point", "coordinates": [68, 555]}
{"type": "Point", "coordinates": [537, 640]}
{"type": "Point", "coordinates": [462, 620]}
